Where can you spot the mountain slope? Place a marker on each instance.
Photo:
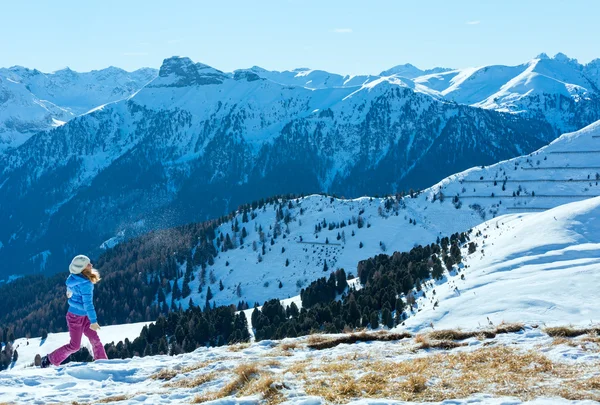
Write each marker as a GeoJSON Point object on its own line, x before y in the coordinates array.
{"type": "Point", "coordinates": [558, 90]}
{"type": "Point", "coordinates": [538, 268]}
{"type": "Point", "coordinates": [32, 101]}
{"type": "Point", "coordinates": [197, 142]}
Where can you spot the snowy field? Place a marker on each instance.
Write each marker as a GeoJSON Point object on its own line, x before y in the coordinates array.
{"type": "Point", "coordinates": [524, 367]}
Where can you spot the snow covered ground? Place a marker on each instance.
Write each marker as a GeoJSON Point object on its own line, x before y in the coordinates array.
{"type": "Point", "coordinates": [539, 268]}
{"type": "Point", "coordinates": [290, 372]}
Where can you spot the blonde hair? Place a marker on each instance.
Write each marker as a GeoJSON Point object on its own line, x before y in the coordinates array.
{"type": "Point", "coordinates": [91, 274]}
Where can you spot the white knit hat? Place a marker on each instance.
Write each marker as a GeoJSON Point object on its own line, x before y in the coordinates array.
{"type": "Point", "coordinates": [79, 263]}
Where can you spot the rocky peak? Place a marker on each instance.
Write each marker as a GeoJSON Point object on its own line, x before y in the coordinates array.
{"type": "Point", "coordinates": [181, 72]}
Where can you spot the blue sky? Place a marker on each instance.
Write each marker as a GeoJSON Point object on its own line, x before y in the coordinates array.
{"type": "Point", "coordinates": [348, 37]}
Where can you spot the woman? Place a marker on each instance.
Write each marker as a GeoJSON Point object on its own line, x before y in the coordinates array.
{"type": "Point", "coordinates": [81, 317]}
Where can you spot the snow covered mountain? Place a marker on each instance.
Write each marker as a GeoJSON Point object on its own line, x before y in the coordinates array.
{"type": "Point", "coordinates": [309, 78]}
{"type": "Point", "coordinates": [196, 142]}
{"type": "Point", "coordinates": [411, 71]}
{"type": "Point", "coordinates": [559, 89]}
{"type": "Point", "coordinates": [32, 101]}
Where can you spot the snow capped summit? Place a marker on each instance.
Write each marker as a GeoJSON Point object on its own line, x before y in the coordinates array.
{"type": "Point", "coordinates": [559, 89]}
{"type": "Point", "coordinates": [411, 72]}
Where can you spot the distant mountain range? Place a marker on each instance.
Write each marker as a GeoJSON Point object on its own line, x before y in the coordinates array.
{"type": "Point", "coordinates": [32, 101]}
{"type": "Point", "coordinates": [195, 142]}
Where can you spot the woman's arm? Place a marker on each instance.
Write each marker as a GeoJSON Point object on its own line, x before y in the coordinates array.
{"type": "Point", "coordinates": [87, 294]}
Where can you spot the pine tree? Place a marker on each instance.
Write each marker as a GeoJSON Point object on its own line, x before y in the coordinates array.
{"type": "Point", "coordinates": [176, 292]}
{"type": "Point", "coordinates": [325, 266]}
{"type": "Point", "coordinates": [221, 285]}
{"type": "Point", "coordinates": [341, 282]}
{"type": "Point", "coordinates": [185, 291]}
{"type": "Point", "coordinates": [374, 320]}
{"type": "Point", "coordinates": [387, 318]}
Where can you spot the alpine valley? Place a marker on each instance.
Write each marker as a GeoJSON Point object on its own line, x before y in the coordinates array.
{"type": "Point", "coordinates": [107, 155]}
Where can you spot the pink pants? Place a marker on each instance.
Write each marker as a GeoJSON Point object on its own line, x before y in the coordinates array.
{"type": "Point", "coordinates": [78, 325]}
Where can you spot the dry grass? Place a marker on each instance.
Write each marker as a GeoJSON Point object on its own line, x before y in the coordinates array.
{"type": "Point", "coordinates": [271, 363]}
{"type": "Point", "coordinates": [421, 338]}
{"type": "Point", "coordinates": [287, 346]}
{"type": "Point", "coordinates": [509, 328]}
{"type": "Point", "coordinates": [192, 382]}
{"type": "Point", "coordinates": [238, 347]}
{"type": "Point", "coordinates": [327, 343]}
{"type": "Point", "coordinates": [498, 371]}
{"type": "Point", "coordinates": [167, 374]}
{"type": "Point", "coordinates": [562, 341]}
{"type": "Point", "coordinates": [567, 331]}
{"type": "Point", "coordinates": [115, 398]}
{"type": "Point", "coordinates": [454, 334]}
{"type": "Point", "coordinates": [247, 379]}
{"type": "Point", "coordinates": [440, 344]}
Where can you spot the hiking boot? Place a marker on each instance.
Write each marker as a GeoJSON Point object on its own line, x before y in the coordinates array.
{"type": "Point", "coordinates": [42, 362]}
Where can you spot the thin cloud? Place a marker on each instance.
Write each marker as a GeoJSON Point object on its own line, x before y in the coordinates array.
{"type": "Point", "coordinates": [342, 30]}
{"type": "Point", "coordinates": [174, 41]}
{"type": "Point", "coordinates": [476, 22]}
{"type": "Point", "coordinates": [135, 53]}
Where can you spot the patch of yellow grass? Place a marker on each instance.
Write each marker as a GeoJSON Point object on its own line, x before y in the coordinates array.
{"type": "Point", "coordinates": [115, 398]}
{"type": "Point", "coordinates": [238, 347]}
{"type": "Point", "coordinates": [568, 331]}
{"type": "Point", "coordinates": [192, 382]}
{"type": "Point", "coordinates": [320, 343]}
{"type": "Point", "coordinates": [498, 371]}
{"type": "Point", "coordinates": [562, 341]}
{"type": "Point", "coordinates": [248, 379]}
{"type": "Point", "coordinates": [168, 374]}
{"type": "Point", "coordinates": [456, 334]}
{"type": "Point", "coordinates": [421, 338]}
{"type": "Point", "coordinates": [271, 363]}
{"type": "Point", "coordinates": [287, 346]}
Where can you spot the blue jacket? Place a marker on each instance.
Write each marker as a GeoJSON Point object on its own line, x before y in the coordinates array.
{"type": "Point", "coordinates": [81, 301]}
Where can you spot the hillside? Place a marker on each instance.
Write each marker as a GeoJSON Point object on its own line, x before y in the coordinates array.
{"type": "Point", "coordinates": [197, 142]}
{"type": "Point", "coordinates": [538, 268]}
